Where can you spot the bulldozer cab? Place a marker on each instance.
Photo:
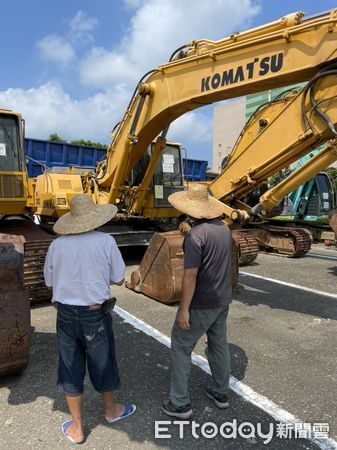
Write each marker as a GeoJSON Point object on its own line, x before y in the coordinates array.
{"type": "Point", "coordinates": [13, 177]}
{"type": "Point", "coordinates": [14, 300]}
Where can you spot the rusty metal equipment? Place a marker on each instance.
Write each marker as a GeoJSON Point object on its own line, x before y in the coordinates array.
{"type": "Point", "coordinates": [159, 275]}
{"type": "Point", "coordinates": [291, 242]}
{"type": "Point", "coordinates": [333, 222]}
{"type": "Point", "coordinates": [247, 245]}
{"type": "Point", "coordinates": [14, 307]}
{"type": "Point", "coordinates": [36, 243]}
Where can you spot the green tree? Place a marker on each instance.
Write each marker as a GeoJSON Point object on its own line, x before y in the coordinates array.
{"type": "Point", "coordinates": [279, 176]}
{"type": "Point", "coordinates": [54, 137]}
{"type": "Point", "coordinates": [332, 171]}
{"type": "Point", "coordinates": [88, 143]}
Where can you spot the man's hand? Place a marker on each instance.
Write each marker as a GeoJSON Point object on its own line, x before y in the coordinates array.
{"type": "Point", "coordinates": [183, 319]}
{"type": "Point", "coordinates": [188, 287]}
{"type": "Point", "coordinates": [184, 228]}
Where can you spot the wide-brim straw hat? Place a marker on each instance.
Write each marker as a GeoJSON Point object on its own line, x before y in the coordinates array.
{"type": "Point", "coordinates": [84, 216]}
{"type": "Point", "coordinates": [197, 203]}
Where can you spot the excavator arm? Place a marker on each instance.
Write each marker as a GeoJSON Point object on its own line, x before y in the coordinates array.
{"type": "Point", "coordinates": [306, 121]}
{"type": "Point", "coordinates": [278, 54]}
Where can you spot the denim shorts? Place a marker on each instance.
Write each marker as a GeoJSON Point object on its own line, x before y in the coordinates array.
{"type": "Point", "coordinates": [85, 337]}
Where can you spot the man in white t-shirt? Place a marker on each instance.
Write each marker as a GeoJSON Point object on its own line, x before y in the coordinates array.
{"type": "Point", "coordinates": [80, 266]}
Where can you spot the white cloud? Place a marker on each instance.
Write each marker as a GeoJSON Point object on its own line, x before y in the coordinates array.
{"type": "Point", "coordinates": [197, 125]}
{"type": "Point", "coordinates": [102, 69]}
{"type": "Point", "coordinates": [81, 26]}
{"type": "Point", "coordinates": [132, 4]}
{"type": "Point", "coordinates": [48, 109]}
{"type": "Point", "coordinates": [56, 49]}
{"type": "Point", "coordinates": [156, 30]}
{"type": "Point", "coordinates": [194, 131]}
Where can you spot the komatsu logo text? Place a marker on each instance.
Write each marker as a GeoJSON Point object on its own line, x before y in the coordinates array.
{"type": "Point", "coordinates": [259, 67]}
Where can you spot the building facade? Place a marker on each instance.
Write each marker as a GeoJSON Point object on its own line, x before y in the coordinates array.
{"type": "Point", "coordinates": [228, 120]}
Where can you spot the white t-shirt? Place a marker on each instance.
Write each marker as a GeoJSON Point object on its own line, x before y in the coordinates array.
{"type": "Point", "coordinates": [81, 267]}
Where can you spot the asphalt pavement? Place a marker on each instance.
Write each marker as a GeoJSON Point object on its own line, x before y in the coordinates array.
{"type": "Point", "coordinates": [282, 332]}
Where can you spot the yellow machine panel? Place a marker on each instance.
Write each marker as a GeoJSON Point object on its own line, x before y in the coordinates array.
{"type": "Point", "coordinates": [13, 192]}
{"type": "Point", "coordinates": [53, 192]}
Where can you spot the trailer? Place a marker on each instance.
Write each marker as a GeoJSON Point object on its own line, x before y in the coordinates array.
{"type": "Point", "coordinates": [42, 154]}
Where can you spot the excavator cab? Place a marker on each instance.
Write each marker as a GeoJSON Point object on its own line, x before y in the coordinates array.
{"type": "Point", "coordinates": [158, 174]}
{"type": "Point", "coordinates": [168, 176]}
{"type": "Point", "coordinates": [315, 200]}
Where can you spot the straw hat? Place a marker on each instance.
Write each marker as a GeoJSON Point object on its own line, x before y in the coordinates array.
{"type": "Point", "coordinates": [197, 203]}
{"type": "Point", "coordinates": [84, 216]}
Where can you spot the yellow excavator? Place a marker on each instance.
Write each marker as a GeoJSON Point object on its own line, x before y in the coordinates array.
{"type": "Point", "coordinates": [142, 168]}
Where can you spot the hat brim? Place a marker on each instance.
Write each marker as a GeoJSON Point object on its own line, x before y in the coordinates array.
{"type": "Point", "coordinates": [70, 224]}
{"type": "Point", "coordinates": [209, 209]}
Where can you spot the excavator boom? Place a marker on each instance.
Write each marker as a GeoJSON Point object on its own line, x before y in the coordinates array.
{"type": "Point", "coordinates": [278, 54]}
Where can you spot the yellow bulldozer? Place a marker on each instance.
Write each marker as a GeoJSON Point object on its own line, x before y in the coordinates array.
{"type": "Point", "coordinates": [142, 168]}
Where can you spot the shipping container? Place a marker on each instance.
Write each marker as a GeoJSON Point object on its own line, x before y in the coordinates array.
{"type": "Point", "coordinates": [61, 154]}
{"type": "Point", "coordinates": [58, 154]}
{"type": "Point", "coordinates": [194, 169]}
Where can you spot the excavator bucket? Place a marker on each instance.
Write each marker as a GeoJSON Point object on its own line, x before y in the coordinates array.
{"type": "Point", "coordinates": [160, 273]}
{"type": "Point", "coordinates": [14, 307]}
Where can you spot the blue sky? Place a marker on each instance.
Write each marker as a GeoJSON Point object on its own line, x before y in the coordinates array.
{"type": "Point", "coordinates": [70, 67]}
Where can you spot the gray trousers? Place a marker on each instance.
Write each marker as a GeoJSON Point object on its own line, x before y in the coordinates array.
{"type": "Point", "coordinates": [213, 323]}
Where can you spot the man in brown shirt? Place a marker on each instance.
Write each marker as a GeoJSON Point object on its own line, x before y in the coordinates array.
{"type": "Point", "coordinates": [206, 295]}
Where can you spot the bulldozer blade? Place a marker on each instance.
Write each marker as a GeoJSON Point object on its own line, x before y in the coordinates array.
{"type": "Point", "coordinates": [160, 273]}
{"type": "Point", "coordinates": [14, 307]}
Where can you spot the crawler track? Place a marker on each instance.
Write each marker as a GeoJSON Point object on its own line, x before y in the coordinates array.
{"type": "Point", "coordinates": [248, 247]}
{"type": "Point", "coordinates": [291, 242]}
{"type": "Point", "coordinates": [36, 246]}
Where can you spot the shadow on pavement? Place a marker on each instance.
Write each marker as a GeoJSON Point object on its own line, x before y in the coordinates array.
{"type": "Point", "coordinates": [253, 292]}
{"type": "Point", "coordinates": [333, 270]}
{"type": "Point", "coordinates": [144, 368]}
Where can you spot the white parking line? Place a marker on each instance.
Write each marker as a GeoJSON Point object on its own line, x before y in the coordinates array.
{"type": "Point", "coordinates": [317, 255]}
{"type": "Point", "coordinates": [284, 283]}
{"type": "Point", "coordinates": [241, 389]}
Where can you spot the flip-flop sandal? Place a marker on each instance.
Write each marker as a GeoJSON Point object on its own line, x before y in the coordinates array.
{"type": "Point", "coordinates": [129, 409]}
{"type": "Point", "coordinates": [64, 428]}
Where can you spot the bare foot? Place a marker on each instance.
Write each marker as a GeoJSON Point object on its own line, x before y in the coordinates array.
{"type": "Point", "coordinates": [117, 410]}
{"type": "Point", "coordinates": [75, 432]}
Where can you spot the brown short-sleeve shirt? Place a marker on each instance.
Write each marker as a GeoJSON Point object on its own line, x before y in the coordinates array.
{"type": "Point", "coordinates": [208, 246]}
